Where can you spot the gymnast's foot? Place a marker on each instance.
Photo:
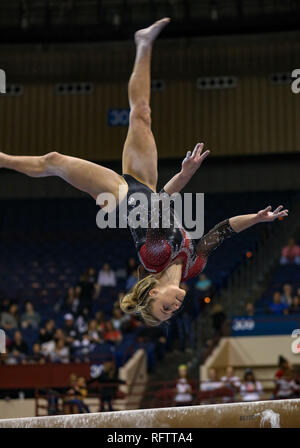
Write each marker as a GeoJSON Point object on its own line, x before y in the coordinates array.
{"type": "Point", "coordinates": [148, 35]}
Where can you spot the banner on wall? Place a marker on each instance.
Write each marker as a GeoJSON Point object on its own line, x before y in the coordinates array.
{"type": "Point", "coordinates": [264, 325]}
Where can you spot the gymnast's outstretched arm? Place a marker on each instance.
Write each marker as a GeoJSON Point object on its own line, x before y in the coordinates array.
{"type": "Point", "coordinates": [190, 165]}
{"type": "Point", "coordinates": [236, 224]}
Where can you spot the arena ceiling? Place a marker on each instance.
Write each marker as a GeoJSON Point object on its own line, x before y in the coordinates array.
{"type": "Point", "coordinates": [98, 20]}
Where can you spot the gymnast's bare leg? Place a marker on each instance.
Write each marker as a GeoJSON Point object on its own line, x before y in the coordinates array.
{"type": "Point", "coordinates": [140, 153]}
{"type": "Point", "coordinates": [82, 174]}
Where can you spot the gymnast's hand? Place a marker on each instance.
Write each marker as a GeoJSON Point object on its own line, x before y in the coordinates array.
{"type": "Point", "coordinates": [193, 160]}
{"type": "Point", "coordinates": [267, 215]}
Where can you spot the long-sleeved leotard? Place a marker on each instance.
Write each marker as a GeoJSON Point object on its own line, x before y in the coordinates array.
{"type": "Point", "coordinates": [157, 247]}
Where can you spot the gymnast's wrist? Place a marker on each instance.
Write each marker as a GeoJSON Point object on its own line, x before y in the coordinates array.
{"type": "Point", "coordinates": [185, 175]}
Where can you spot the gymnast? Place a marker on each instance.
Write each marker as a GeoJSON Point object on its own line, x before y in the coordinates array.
{"type": "Point", "coordinates": [168, 255]}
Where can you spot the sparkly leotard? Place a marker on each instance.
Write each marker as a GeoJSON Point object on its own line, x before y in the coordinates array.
{"type": "Point", "coordinates": [157, 247]}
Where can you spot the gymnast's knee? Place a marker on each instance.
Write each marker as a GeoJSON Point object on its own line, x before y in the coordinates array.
{"type": "Point", "coordinates": [50, 160]}
{"type": "Point", "coordinates": [141, 111]}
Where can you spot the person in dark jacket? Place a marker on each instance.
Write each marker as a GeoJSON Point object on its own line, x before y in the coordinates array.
{"type": "Point", "coordinates": [109, 382]}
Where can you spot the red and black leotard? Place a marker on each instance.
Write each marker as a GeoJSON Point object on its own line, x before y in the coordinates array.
{"type": "Point", "coordinates": [158, 247]}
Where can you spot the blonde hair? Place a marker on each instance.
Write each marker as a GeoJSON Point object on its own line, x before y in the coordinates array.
{"type": "Point", "coordinates": [138, 300]}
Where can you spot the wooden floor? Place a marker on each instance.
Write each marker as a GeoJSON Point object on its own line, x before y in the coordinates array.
{"type": "Point", "coordinates": [275, 414]}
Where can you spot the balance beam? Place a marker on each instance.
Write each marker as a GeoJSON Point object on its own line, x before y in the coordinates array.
{"type": "Point", "coordinates": [262, 414]}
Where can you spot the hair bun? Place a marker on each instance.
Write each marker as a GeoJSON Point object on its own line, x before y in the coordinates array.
{"type": "Point", "coordinates": [128, 304]}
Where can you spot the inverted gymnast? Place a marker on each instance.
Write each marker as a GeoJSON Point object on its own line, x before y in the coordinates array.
{"type": "Point", "coordinates": [170, 255]}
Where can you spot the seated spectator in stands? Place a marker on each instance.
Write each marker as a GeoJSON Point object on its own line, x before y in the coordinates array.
{"type": "Point", "coordinates": [70, 329]}
{"type": "Point", "coordinates": [287, 295]}
{"type": "Point", "coordinates": [131, 266]}
{"type": "Point", "coordinates": [110, 334]}
{"type": "Point", "coordinates": [131, 280]}
{"type": "Point", "coordinates": [4, 304]}
{"type": "Point", "coordinates": [71, 301]}
{"type": "Point", "coordinates": [204, 285]}
{"type": "Point", "coordinates": [250, 310]}
{"type": "Point", "coordinates": [277, 307]}
{"type": "Point", "coordinates": [109, 381]}
{"type": "Point", "coordinates": [30, 318]}
{"type": "Point", "coordinates": [18, 349]}
{"type": "Point", "coordinates": [47, 332]}
{"type": "Point", "coordinates": [10, 319]}
{"type": "Point", "coordinates": [61, 352]}
{"type": "Point", "coordinates": [48, 347]}
{"type": "Point", "coordinates": [251, 389]}
{"type": "Point", "coordinates": [100, 318]}
{"type": "Point", "coordinates": [82, 321]}
{"type": "Point", "coordinates": [119, 319]}
{"type": "Point", "coordinates": [94, 332]}
{"type": "Point", "coordinates": [295, 307]}
{"type": "Point", "coordinates": [82, 348]}
{"type": "Point", "coordinates": [76, 396]}
{"type": "Point", "coordinates": [183, 395]}
{"type": "Point", "coordinates": [107, 276]}
{"type": "Point", "coordinates": [290, 253]}
{"type": "Point", "coordinates": [92, 275]}
{"type": "Point", "coordinates": [210, 385]}
{"type": "Point", "coordinates": [37, 356]}
{"type": "Point", "coordinates": [284, 378]}
{"type": "Point", "coordinates": [232, 382]}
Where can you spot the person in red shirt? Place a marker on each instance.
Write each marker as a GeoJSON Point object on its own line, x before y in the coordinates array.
{"type": "Point", "coordinates": [290, 253]}
{"type": "Point", "coordinates": [111, 334]}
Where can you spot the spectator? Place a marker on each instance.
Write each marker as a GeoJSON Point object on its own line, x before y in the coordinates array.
{"type": "Point", "coordinates": [183, 395]}
{"type": "Point", "coordinates": [290, 253]}
{"type": "Point", "coordinates": [109, 381]}
{"type": "Point", "coordinates": [287, 295]}
{"type": "Point", "coordinates": [251, 389]}
{"type": "Point", "coordinates": [88, 291]}
{"type": "Point", "coordinates": [107, 277]}
{"type": "Point", "coordinates": [250, 310]}
{"type": "Point", "coordinates": [296, 384]}
{"type": "Point", "coordinates": [100, 318]}
{"type": "Point", "coordinates": [119, 319]}
{"type": "Point", "coordinates": [132, 266]}
{"type": "Point", "coordinates": [131, 280]}
{"type": "Point", "coordinates": [10, 319]}
{"type": "Point", "coordinates": [156, 335]}
{"type": "Point", "coordinates": [37, 356]}
{"type": "Point", "coordinates": [204, 285]}
{"type": "Point", "coordinates": [284, 380]}
{"type": "Point", "coordinates": [70, 329]}
{"type": "Point", "coordinates": [18, 349]}
{"type": "Point", "coordinates": [211, 385]}
{"type": "Point", "coordinates": [76, 395]}
{"type": "Point", "coordinates": [82, 348]}
{"type": "Point", "coordinates": [71, 301]}
{"type": "Point", "coordinates": [81, 323]}
{"type": "Point", "coordinates": [295, 307]}
{"type": "Point", "coordinates": [4, 305]}
{"type": "Point", "coordinates": [92, 276]}
{"type": "Point", "coordinates": [47, 332]}
{"type": "Point", "coordinates": [94, 332]}
{"type": "Point", "coordinates": [232, 382]}
{"type": "Point", "coordinates": [61, 353]}
{"type": "Point", "coordinates": [184, 321]}
{"type": "Point", "coordinates": [30, 318]}
{"type": "Point", "coordinates": [277, 307]}
{"type": "Point", "coordinates": [111, 334]}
